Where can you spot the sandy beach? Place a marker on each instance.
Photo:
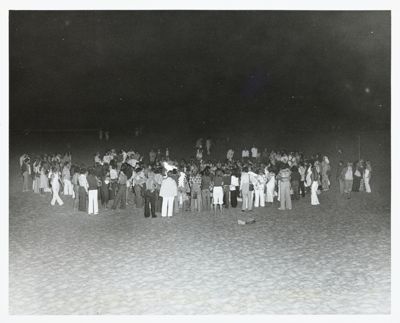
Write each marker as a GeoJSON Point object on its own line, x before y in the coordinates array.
{"type": "Point", "coordinates": [331, 259]}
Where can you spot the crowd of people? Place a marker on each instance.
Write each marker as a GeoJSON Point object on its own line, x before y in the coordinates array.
{"type": "Point", "coordinates": [160, 185]}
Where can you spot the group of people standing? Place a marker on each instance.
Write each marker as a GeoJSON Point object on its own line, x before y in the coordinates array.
{"type": "Point", "coordinates": [162, 186]}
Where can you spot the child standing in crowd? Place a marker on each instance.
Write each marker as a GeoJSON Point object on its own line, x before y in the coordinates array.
{"type": "Point", "coordinates": [92, 192]}
{"type": "Point", "coordinates": [55, 186]}
{"type": "Point", "coordinates": [168, 191]}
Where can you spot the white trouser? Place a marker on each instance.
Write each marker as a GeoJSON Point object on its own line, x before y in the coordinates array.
{"type": "Point", "coordinates": [93, 202]}
{"type": "Point", "coordinates": [260, 198]}
{"type": "Point", "coordinates": [367, 186]}
{"type": "Point", "coordinates": [68, 188]}
{"type": "Point", "coordinates": [218, 195]}
{"type": "Point", "coordinates": [314, 196]}
{"type": "Point", "coordinates": [167, 204]}
{"type": "Point", "coordinates": [270, 192]}
{"type": "Point", "coordinates": [56, 197]}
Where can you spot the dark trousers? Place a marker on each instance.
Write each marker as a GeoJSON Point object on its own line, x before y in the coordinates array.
{"type": "Point", "coordinates": [226, 196]}
{"type": "Point", "coordinates": [82, 199]}
{"type": "Point", "coordinates": [121, 197]}
{"type": "Point", "coordinates": [158, 201]}
{"type": "Point", "coordinates": [302, 189]}
{"type": "Point", "coordinates": [295, 188]}
{"type": "Point", "coordinates": [234, 195]}
{"type": "Point", "coordinates": [150, 203]}
{"type": "Point", "coordinates": [104, 194]}
{"type": "Point", "coordinates": [356, 183]}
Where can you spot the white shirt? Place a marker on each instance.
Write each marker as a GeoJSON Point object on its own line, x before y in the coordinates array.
{"type": "Point", "coordinates": [245, 153]}
{"type": "Point", "coordinates": [234, 183]}
{"type": "Point", "coordinates": [254, 152]}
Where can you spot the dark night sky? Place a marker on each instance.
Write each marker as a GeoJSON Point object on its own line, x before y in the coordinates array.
{"type": "Point", "coordinates": [84, 69]}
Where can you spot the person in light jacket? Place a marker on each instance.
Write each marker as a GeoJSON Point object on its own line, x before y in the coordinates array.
{"type": "Point", "coordinates": [367, 176]}
{"type": "Point", "coordinates": [168, 191]}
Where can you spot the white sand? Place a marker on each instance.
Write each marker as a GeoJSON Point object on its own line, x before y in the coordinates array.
{"type": "Point", "coordinates": [332, 259]}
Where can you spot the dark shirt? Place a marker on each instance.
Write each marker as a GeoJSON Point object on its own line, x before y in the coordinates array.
{"type": "Point", "coordinates": [92, 181]}
{"type": "Point", "coordinates": [227, 179]}
{"type": "Point", "coordinates": [218, 181]}
{"type": "Point", "coordinates": [205, 182]}
{"type": "Point", "coordinates": [295, 177]}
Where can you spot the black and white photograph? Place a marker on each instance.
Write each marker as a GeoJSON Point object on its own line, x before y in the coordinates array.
{"type": "Point", "coordinates": [200, 161]}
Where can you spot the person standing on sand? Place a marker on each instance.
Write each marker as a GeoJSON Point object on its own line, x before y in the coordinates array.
{"type": "Point", "coordinates": [348, 179]}
{"type": "Point", "coordinates": [325, 171]}
{"type": "Point", "coordinates": [314, 186]}
{"type": "Point", "coordinates": [284, 179]}
{"type": "Point", "coordinates": [218, 192]}
{"type": "Point", "coordinates": [75, 183]}
{"type": "Point", "coordinates": [55, 186]}
{"type": "Point", "coordinates": [270, 173]}
{"type": "Point", "coordinates": [367, 176]}
{"type": "Point", "coordinates": [92, 180]}
{"type": "Point", "coordinates": [168, 191]}
{"type": "Point", "coordinates": [340, 176]}
{"type": "Point", "coordinates": [25, 174]}
{"type": "Point", "coordinates": [66, 175]}
{"type": "Point", "coordinates": [120, 198]}
{"type": "Point", "coordinates": [247, 192]}
{"type": "Point", "coordinates": [83, 189]}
